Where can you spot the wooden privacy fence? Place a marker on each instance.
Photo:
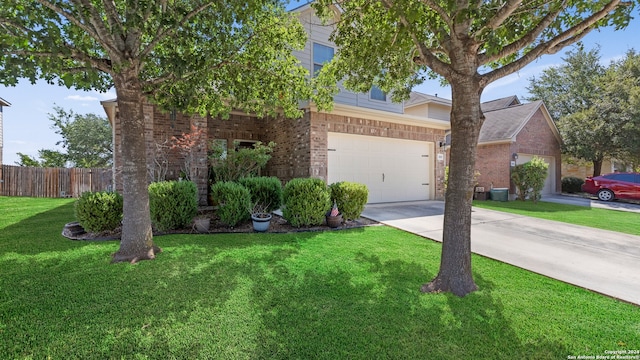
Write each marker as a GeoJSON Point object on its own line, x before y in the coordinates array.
{"type": "Point", "coordinates": [52, 182]}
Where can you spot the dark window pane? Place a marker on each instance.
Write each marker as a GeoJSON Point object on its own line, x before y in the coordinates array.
{"type": "Point", "coordinates": [321, 54]}
{"type": "Point", "coordinates": [378, 94]}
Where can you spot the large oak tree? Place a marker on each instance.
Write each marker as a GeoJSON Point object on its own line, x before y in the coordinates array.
{"type": "Point", "coordinates": [193, 55]}
{"type": "Point", "coordinates": [470, 44]}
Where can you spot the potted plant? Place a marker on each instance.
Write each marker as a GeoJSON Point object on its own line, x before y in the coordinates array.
{"type": "Point", "coordinates": [261, 217]}
{"type": "Point", "coordinates": [202, 223]}
{"type": "Point", "coordinates": [334, 217]}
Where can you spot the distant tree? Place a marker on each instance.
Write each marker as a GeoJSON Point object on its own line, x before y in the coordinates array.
{"type": "Point", "coordinates": [470, 44]}
{"type": "Point", "coordinates": [86, 138]}
{"type": "Point", "coordinates": [191, 55]}
{"type": "Point", "coordinates": [52, 158]}
{"type": "Point", "coordinates": [48, 158]}
{"type": "Point", "coordinates": [26, 160]}
{"type": "Point", "coordinates": [592, 105]}
{"type": "Point", "coordinates": [621, 103]}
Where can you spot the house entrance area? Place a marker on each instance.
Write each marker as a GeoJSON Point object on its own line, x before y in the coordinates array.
{"type": "Point", "coordinates": [392, 169]}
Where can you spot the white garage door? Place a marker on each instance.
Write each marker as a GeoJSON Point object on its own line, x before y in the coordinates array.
{"type": "Point", "coordinates": [550, 181]}
{"type": "Point", "coordinates": [392, 169]}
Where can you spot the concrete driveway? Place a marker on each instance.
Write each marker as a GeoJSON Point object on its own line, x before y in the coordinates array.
{"type": "Point", "coordinates": [603, 261]}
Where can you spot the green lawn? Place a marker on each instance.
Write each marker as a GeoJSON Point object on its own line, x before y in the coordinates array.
{"type": "Point", "coordinates": [620, 221]}
{"type": "Point", "coordinates": [323, 295]}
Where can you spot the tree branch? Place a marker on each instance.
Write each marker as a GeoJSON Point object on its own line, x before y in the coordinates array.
{"type": "Point", "coordinates": [162, 33]}
{"type": "Point", "coordinates": [567, 37]}
{"type": "Point", "coordinates": [426, 57]}
{"type": "Point", "coordinates": [505, 11]}
{"type": "Point", "coordinates": [69, 17]}
{"type": "Point", "coordinates": [103, 35]}
{"type": "Point", "coordinates": [529, 38]}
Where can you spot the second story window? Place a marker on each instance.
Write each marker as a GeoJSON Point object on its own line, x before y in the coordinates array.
{"type": "Point", "coordinates": [321, 55]}
{"type": "Point", "coordinates": [378, 94]}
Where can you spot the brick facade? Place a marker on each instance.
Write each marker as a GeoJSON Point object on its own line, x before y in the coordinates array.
{"type": "Point", "coordinates": [301, 149]}
{"type": "Point", "coordinates": [537, 138]}
{"type": "Point", "coordinates": [493, 161]}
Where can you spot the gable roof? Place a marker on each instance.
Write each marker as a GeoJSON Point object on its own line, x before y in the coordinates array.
{"type": "Point", "coordinates": [4, 102]}
{"type": "Point", "coordinates": [500, 103]}
{"type": "Point", "coordinates": [417, 98]}
{"type": "Point", "coordinates": [503, 124]}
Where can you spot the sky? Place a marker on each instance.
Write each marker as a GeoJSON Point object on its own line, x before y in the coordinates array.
{"type": "Point", "coordinates": [27, 127]}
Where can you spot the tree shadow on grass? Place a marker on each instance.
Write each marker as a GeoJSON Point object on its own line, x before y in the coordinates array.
{"type": "Point", "coordinates": [254, 296]}
{"type": "Point", "coordinates": [38, 233]}
{"type": "Point", "coordinates": [331, 316]}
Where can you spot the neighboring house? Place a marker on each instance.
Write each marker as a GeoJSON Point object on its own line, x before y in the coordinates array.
{"type": "Point", "coordinates": [517, 132]}
{"type": "Point", "coordinates": [512, 133]}
{"type": "Point", "coordinates": [366, 138]}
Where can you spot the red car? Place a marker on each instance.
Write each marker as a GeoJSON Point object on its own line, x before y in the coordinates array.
{"type": "Point", "coordinates": [614, 186]}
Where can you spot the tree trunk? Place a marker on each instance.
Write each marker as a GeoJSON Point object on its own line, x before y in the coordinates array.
{"type": "Point", "coordinates": [455, 274]}
{"type": "Point", "coordinates": [137, 237]}
{"type": "Point", "coordinates": [597, 167]}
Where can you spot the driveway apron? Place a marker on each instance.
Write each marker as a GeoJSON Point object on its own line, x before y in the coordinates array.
{"type": "Point", "coordinates": [603, 261]}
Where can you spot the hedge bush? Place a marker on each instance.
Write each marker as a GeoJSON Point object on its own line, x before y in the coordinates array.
{"type": "Point", "coordinates": [529, 178]}
{"type": "Point", "coordinates": [572, 184]}
{"type": "Point", "coordinates": [306, 201]}
{"type": "Point", "coordinates": [173, 204]}
{"type": "Point", "coordinates": [234, 202]}
{"type": "Point", "coordinates": [99, 211]}
{"type": "Point", "coordinates": [264, 190]}
{"type": "Point", "coordinates": [350, 198]}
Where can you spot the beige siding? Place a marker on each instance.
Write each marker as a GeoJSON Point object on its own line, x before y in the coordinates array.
{"type": "Point", "coordinates": [430, 110]}
{"type": "Point", "coordinates": [319, 33]}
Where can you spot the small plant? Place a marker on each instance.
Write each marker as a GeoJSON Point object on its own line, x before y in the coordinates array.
{"type": "Point", "coordinates": [264, 190]}
{"type": "Point", "coordinates": [350, 197]}
{"type": "Point", "coordinates": [572, 184]}
{"type": "Point", "coordinates": [172, 204]}
{"type": "Point", "coordinates": [234, 165]}
{"type": "Point", "coordinates": [99, 211]}
{"type": "Point", "coordinates": [234, 202]}
{"type": "Point", "coordinates": [529, 178]}
{"type": "Point", "coordinates": [192, 147]}
{"type": "Point", "coordinates": [260, 210]}
{"type": "Point", "coordinates": [306, 201]}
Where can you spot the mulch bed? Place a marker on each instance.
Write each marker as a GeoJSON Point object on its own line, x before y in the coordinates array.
{"type": "Point", "coordinates": [278, 225]}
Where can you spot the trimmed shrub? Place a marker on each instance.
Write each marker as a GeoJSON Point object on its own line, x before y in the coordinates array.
{"type": "Point", "coordinates": [234, 202]}
{"type": "Point", "coordinates": [572, 184]}
{"type": "Point", "coordinates": [350, 198]}
{"type": "Point", "coordinates": [99, 211]}
{"type": "Point", "coordinates": [306, 202]}
{"type": "Point", "coordinates": [264, 190]}
{"type": "Point", "coordinates": [172, 204]}
{"type": "Point", "coordinates": [529, 178]}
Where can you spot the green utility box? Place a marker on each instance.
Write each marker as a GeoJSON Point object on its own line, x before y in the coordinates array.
{"type": "Point", "coordinates": [500, 194]}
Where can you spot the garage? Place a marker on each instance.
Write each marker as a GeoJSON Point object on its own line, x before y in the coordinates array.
{"type": "Point", "coordinates": [392, 169]}
{"type": "Point", "coordinates": [549, 182]}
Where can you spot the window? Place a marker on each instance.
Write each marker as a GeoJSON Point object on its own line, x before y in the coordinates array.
{"type": "Point", "coordinates": [622, 177]}
{"type": "Point", "coordinates": [378, 94]}
{"type": "Point", "coordinates": [321, 55]}
{"type": "Point", "coordinates": [219, 148]}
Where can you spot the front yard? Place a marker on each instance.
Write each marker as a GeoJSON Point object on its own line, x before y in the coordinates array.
{"type": "Point", "coordinates": [350, 294]}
